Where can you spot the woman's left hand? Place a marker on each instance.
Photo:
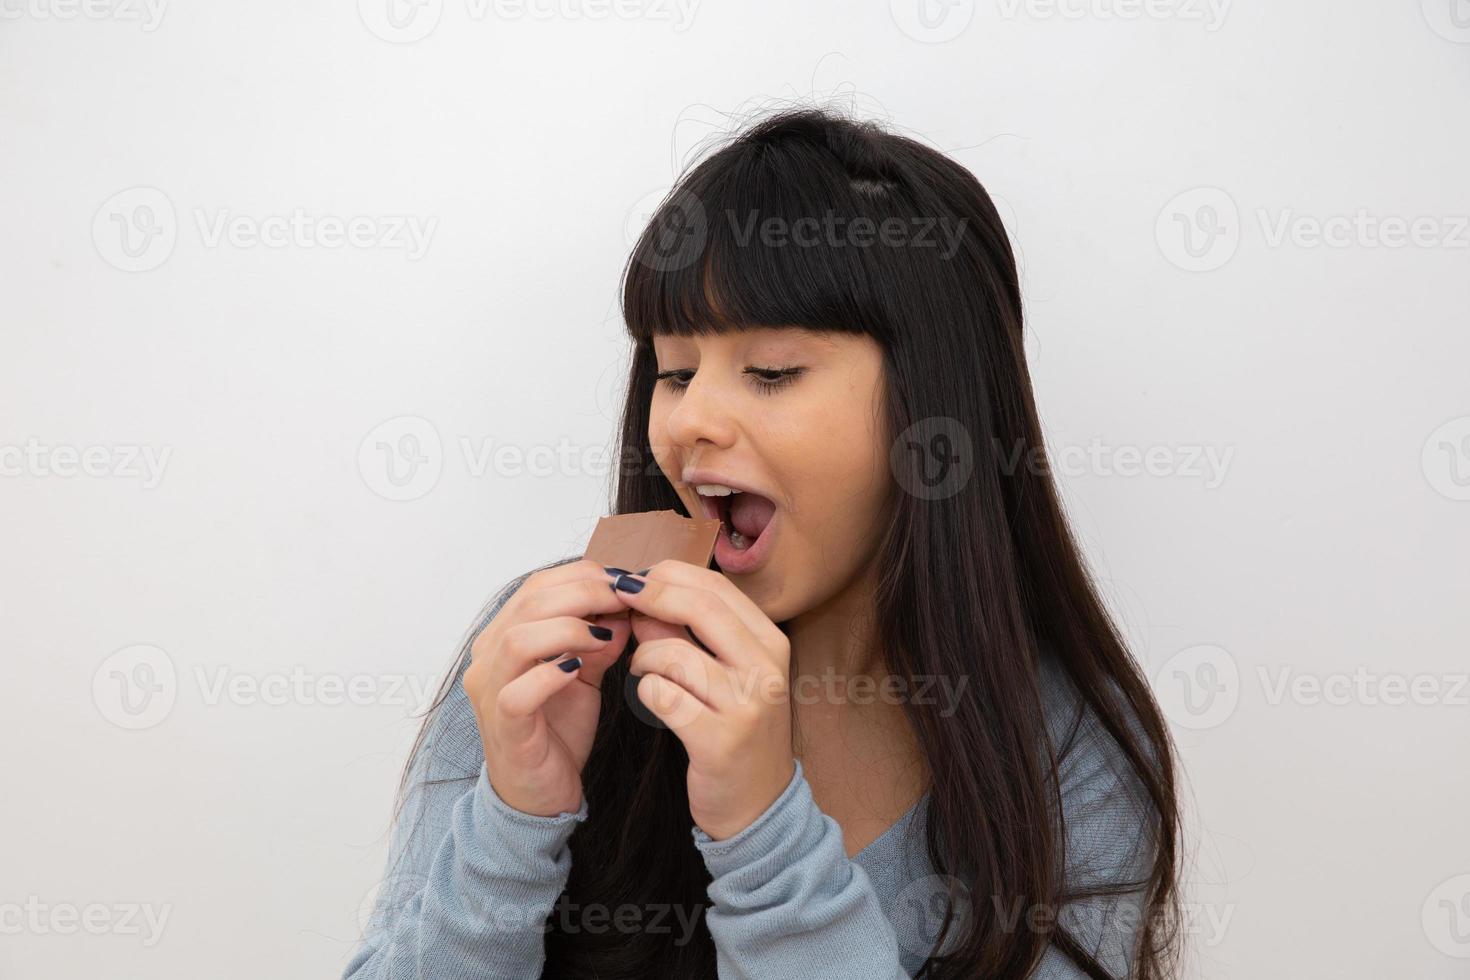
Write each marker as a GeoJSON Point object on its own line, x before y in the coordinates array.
{"type": "Point", "coordinates": [731, 710]}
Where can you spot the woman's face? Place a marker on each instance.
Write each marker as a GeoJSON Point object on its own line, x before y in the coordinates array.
{"type": "Point", "coordinates": [793, 417]}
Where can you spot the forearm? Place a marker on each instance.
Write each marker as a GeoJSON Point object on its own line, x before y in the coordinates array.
{"type": "Point", "coordinates": [788, 902]}
{"type": "Point", "coordinates": [479, 908]}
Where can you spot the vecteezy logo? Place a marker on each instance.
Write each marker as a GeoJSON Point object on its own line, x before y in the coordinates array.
{"type": "Point", "coordinates": [1450, 19]}
{"type": "Point", "coordinates": [679, 232]}
{"type": "Point", "coordinates": [1446, 917]}
{"type": "Point", "coordinates": [1198, 687]}
{"type": "Point", "coordinates": [919, 911]}
{"type": "Point", "coordinates": [400, 21]}
{"type": "Point", "coordinates": [932, 21]}
{"type": "Point", "coordinates": [674, 710]}
{"type": "Point", "coordinates": [402, 458]}
{"type": "Point", "coordinates": [1199, 230]}
{"type": "Point", "coordinates": [135, 230]}
{"type": "Point", "coordinates": [641, 213]}
{"type": "Point", "coordinates": [1446, 459]}
{"type": "Point", "coordinates": [933, 458]}
{"type": "Point", "coordinates": [135, 688]}
{"type": "Point", "coordinates": [385, 900]}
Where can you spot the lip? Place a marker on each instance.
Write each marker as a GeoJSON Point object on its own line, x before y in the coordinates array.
{"type": "Point", "coordinates": [732, 561]}
{"type": "Point", "coordinates": [694, 477]}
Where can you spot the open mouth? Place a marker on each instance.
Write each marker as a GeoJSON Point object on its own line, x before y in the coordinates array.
{"type": "Point", "coordinates": [747, 515]}
{"type": "Point", "coordinates": [745, 521]}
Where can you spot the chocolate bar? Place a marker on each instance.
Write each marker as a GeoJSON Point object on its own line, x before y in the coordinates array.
{"type": "Point", "coordinates": [636, 541]}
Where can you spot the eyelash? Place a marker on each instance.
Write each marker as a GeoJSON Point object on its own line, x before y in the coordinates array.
{"type": "Point", "coordinates": [775, 378]}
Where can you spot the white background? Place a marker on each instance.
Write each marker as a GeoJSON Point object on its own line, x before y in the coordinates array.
{"type": "Point", "coordinates": [1329, 831]}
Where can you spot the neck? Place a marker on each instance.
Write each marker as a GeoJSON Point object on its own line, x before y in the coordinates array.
{"type": "Point", "coordinates": [839, 636]}
{"type": "Point", "coordinates": [831, 645]}
{"type": "Point", "coordinates": [841, 720]}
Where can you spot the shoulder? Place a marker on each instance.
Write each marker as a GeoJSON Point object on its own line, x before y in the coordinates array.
{"type": "Point", "coordinates": [1107, 814]}
{"type": "Point", "coordinates": [1109, 824]}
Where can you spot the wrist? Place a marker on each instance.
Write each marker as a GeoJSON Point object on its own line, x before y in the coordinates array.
{"type": "Point", "coordinates": [511, 801]}
{"type": "Point", "coordinates": [719, 831]}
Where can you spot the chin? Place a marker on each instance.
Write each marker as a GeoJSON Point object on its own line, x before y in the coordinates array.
{"type": "Point", "coordinates": [777, 607]}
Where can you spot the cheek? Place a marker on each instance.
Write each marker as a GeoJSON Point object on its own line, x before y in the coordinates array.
{"type": "Point", "coordinates": [658, 433]}
{"type": "Point", "coordinates": [844, 485]}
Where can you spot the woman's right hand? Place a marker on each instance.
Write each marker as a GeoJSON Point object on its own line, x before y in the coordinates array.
{"type": "Point", "coordinates": [536, 720]}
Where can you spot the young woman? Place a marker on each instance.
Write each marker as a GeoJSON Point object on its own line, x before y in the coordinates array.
{"type": "Point", "coordinates": [894, 732]}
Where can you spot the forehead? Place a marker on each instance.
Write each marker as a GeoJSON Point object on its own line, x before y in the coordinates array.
{"type": "Point", "coordinates": [737, 336]}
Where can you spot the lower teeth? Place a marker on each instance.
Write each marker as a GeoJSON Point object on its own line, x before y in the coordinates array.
{"type": "Point", "coordinates": [738, 540]}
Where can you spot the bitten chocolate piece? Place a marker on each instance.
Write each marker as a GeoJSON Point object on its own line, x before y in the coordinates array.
{"type": "Point", "coordinates": [690, 498]}
{"type": "Point", "coordinates": [636, 541]}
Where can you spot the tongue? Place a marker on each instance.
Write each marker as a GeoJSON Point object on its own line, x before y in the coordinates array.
{"type": "Point", "coordinates": [750, 513]}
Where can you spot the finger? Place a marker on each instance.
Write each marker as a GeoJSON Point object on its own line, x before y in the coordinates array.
{"type": "Point", "coordinates": [562, 574]}
{"type": "Point", "coordinates": [709, 616]}
{"type": "Point", "coordinates": [518, 704]}
{"type": "Point", "coordinates": [595, 663]}
{"type": "Point", "coordinates": [523, 644]}
{"type": "Point", "coordinates": [685, 714]}
{"type": "Point", "coordinates": [574, 589]}
{"type": "Point", "coordinates": [683, 573]}
{"type": "Point", "coordinates": [584, 596]}
{"type": "Point", "coordinates": [648, 629]}
{"type": "Point", "coordinates": [682, 663]}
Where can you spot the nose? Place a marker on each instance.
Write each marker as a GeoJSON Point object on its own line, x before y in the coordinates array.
{"type": "Point", "coordinates": [702, 417]}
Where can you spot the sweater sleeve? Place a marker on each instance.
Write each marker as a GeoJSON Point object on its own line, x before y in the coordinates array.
{"type": "Point", "coordinates": [788, 902]}
{"type": "Point", "coordinates": [470, 880]}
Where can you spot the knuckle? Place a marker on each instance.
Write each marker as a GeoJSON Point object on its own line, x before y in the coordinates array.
{"type": "Point", "coordinates": [534, 606]}
{"type": "Point", "coordinates": [473, 679]}
{"type": "Point", "coordinates": [513, 644]}
{"type": "Point", "coordinates": [749, 716]}
{"type": "Point", "coordinates": [507, 704]}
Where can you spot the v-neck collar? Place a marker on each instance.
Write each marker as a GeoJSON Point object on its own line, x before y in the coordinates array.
{"type": "Point", "coordinates": [883, 842]}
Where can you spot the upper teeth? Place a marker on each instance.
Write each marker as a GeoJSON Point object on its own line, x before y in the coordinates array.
{"type": "Point", "coordinates": [714, 490]}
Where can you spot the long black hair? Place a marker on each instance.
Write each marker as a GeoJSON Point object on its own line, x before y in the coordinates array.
{"type": "Point", "coordinates": [977, 580]}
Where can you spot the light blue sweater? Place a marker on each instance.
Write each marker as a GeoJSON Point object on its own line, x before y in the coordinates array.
{"type": "Point", "coordinates": [471, 880]}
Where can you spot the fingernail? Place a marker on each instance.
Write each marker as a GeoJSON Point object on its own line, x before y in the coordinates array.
{"type": "Point", "coordinates": [643, 572]}
{"type": "Point", "coordinates": [614, 571]}
{"type": "Point", "coordinates": [600, 632]}
{"type": "Point", "coordinates": [626, 583]}
{"type": "Point", "coordinates": [567, 666]}
{"type": "Point", "coordinates": [547, 660]}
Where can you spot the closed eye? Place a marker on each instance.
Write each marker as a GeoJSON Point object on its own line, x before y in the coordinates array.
{"type": "Point", "coordinates": [766, 380]}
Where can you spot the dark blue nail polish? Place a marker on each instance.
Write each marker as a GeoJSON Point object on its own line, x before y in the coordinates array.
{"type": "Point", "coordinates": [600, 632]}
{"type": "Point", "coordinates": [628, 584]}
{"type": "Point", "coordinates": [567, 666]}
{"type": "Point", "coordinates": [644, 572]}
{"type": "Point", "coordinates": [547, 660]}
{"type": "Point", "coordinates": [614, 571]}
